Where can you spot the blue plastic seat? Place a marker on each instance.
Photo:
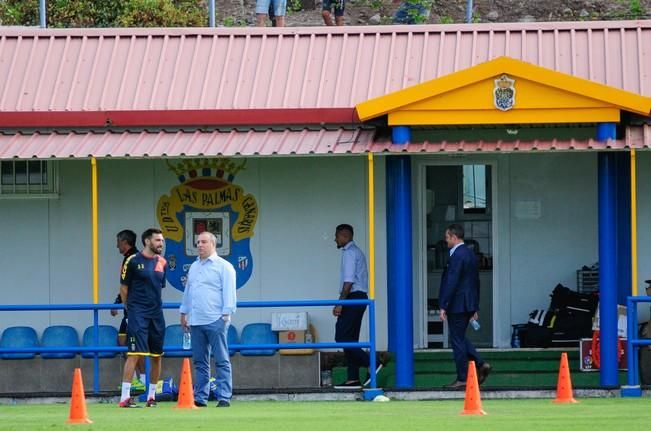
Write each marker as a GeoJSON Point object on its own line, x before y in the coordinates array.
{"type": "Point", "coordinates": [174, 338]}
{"type": "Point", "coordinates": [232, 339]}
{"type": "Point", "coordinates": [258, 333]}
{"type": "Point", "coordinates": [108, 337]}
{"type": "Point", "coordinates": [17, 337]}
{"type": "Point", "coordinates": [59, 336]}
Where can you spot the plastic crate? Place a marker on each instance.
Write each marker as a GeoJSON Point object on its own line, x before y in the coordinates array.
{"type": "Point", "coordinates": [587, 281]}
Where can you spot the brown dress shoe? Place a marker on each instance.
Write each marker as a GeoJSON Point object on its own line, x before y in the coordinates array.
{"type": "Point", "coordinates": [484, 371]}
{"type": "Point", "coordinates": [456, 385]}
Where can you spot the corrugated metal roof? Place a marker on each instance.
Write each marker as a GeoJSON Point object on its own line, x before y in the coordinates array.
{"type": "Point", "coordinates": [270, 142]}
{"type": "Point", "coordinates": [184, 144]}
{"type": "Point", "coordinates": [315, 67]}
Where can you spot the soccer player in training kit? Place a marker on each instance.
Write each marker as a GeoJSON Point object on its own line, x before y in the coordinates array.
{"type": "Point", "coordinates": [126, 245]}
{"type": "Point", "coordinates": [141, 284]}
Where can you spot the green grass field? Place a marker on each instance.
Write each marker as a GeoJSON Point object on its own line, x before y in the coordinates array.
{"type": "Point", "coordinates": [503, 415]}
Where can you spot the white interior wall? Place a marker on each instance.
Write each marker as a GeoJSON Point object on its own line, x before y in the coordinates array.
{"type": "Point", "coordinates": [301, 200]}
{"type": "Point", "coordinates": [643, 228]}
{"type": "Point", "coordinates": [550, 248]}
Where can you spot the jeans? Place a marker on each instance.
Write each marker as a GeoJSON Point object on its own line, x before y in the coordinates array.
{"type": "Point", "coordinates": [207, 338]}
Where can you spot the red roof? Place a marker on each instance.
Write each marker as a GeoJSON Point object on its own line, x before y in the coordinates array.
{"type": "Point", "coordinates": [269, 142]}
{"type": "Point", "coordinates": [85, 70]}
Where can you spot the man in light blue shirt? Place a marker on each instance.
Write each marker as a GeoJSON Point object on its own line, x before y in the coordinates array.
{"type": "Point", "coordinates": [353, 285]}
{"type": "Point", "coordinates": [208, 302]}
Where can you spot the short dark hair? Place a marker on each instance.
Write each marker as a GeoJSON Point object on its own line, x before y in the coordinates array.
{"type": "Point", "coordinates": [129, 236]}
{"type": "Point", "coordinates": [347, 228]}
{"type": "Point", "coordinates": [456, 229]}
{"type": "Point", "coordinates": [149, 233]}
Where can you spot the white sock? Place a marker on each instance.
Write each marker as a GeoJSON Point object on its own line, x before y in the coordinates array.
{"type": "Point", "coordinates": [126, 391]}
{"type": "Point", "coordinates": [152, 391]}
{"type": "Point", "coordinates": [135, 375]}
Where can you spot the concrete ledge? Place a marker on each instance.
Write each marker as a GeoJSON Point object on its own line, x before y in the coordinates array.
{"type": "Point", "coordinates": [51, 376]}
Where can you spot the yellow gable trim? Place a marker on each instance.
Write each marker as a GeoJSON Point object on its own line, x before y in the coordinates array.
{"type": "Point", "coordinates": [472, 89]}
{"type": "Point", "coordinates": [542, 116]}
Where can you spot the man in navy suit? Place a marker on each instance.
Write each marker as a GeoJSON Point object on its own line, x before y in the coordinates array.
{"type": "Point", "coordinates": [459, 302]}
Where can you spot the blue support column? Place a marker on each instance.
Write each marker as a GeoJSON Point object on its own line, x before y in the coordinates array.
{"type": "Point", "coordinates": [400, 134]}
{"type": "Point", "coordinates": [607, 269]}
{"type": "Point", "coordinates": [399, 268]}
{"type": "Point", "coordinates": [606, 131]}
{"type": "Point", "coordinates": [392, 281]}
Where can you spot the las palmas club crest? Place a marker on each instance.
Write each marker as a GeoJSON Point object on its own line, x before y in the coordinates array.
{"type": "Point", "coordinates": [504, 93]}
{"type": "Point", "coordinates": [207, 200]}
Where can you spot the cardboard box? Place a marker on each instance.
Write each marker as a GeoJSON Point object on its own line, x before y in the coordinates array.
{"type": "Point", "coordinates": [290, 337]}
{"type": "Point", "coordinates": [585, 355]}
{"type": "Point", "coordinates": [289, 321]}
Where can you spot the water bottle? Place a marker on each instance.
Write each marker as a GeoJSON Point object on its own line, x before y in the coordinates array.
{"type": "Point", "coordinates": [187, 341]}
{"type": "Point", "coordinates": [308, 337]}
{"type": "Point", "coordinates": [475, 324]}
{"type": "Point", "coordinates": [516, 341]}
{"type": "Point", "coordinates": [326, 378]}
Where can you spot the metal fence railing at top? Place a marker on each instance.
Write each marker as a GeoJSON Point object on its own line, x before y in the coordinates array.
{"type": "Point", "coordinates": [634, 342]}
{"type": "Point", "coordinates": [96, 349]}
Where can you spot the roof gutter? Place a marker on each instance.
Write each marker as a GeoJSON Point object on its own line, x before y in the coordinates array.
{"type": "Point", "coordinates": [193, 117]}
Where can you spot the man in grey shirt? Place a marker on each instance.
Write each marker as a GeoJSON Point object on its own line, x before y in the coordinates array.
{"type": "Point", "coordinates": [353, 285]}
{"type": "Point", "coordinates": [208, 302]}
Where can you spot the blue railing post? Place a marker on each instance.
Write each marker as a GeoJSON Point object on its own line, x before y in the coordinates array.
{"type": "Point", "coordinates": [371, 324]}
{"type": "Point", "coordinates": [96, 355]}
{"type": "Point", "coordinates": [632, 388]}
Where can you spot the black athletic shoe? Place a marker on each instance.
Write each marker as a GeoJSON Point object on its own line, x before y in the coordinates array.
{"type": "Point", "coordinates": [223, 403]}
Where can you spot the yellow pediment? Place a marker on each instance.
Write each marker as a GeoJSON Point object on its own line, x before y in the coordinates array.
{"type": "Point", "coordinates": [504, 91]}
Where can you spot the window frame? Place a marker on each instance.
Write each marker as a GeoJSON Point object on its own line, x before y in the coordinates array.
{"type": "Point", "coordinates": [48, 189]}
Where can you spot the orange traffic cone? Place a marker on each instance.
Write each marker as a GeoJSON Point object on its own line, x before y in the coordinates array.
{"type": "Point", "coordinates": [472, 404]}
{"type": "Point", "coordinates": [78, 413]}
{"type": "Point", "coordinates": [186, 394]}
{"type": "Point", "coordinates": [564, 388]}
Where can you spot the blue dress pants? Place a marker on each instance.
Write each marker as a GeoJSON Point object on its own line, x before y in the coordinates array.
{"type": "Point", "coordinates": [206, 339]}
{"type": "Point", "coordinates": [462, 348]}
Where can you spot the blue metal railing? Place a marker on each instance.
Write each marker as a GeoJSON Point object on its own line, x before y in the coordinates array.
{"type": "Point", "coordinates": [634, 342]}
{"type": "Point", "coordinates": [174, 305]}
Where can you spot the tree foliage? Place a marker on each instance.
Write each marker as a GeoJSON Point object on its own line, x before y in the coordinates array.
{"type": "Point", "coordinates": [107, 13]}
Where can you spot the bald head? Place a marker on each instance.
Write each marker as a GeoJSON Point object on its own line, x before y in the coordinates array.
{"type": "Point", "coordinates": [206, 244]}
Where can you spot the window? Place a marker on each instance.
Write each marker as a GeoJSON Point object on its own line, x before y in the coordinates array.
{"type": "Point", "coordinates": [33, 178]}
{"type": "Point", "coordinates": [475, 181]}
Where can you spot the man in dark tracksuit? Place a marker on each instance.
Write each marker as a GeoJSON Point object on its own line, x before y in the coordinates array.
{"type": "Point", "coordinates": [126, 245]}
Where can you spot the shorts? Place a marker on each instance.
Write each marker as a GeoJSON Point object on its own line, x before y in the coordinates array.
{"type": "Point", "coordinates": [145, 334]}
{"type": "Point", "coordinates": [338, 4]}
{"type": "Point", "coordinates": [262, 7]}
{"type": "Point", "coordinates": [123, 327]}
